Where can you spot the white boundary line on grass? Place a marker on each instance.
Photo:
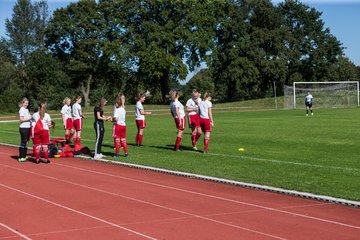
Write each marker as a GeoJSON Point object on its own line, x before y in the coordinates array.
{"type": "Point", "coordinates": [227, 181]}
{"type": "Point", "coordinates": [244, 157]}
{"type": "Point", "coordinates": [14, 231]}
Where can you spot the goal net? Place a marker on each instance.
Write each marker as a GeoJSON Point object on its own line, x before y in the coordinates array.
{"type": "Point", "coordinates": [326, 94]}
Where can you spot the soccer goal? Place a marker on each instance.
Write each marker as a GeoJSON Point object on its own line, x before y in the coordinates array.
{"type": "Point", "coordinates": [326, 94]}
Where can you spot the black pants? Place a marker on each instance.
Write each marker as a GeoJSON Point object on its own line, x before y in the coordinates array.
{"type": "Point", "coordinates": [25, 136]}
{"type": "Point", "coordinates": [99, 131]}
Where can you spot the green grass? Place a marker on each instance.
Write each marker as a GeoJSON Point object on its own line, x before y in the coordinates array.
{"type": "Point", "coordinates": [318, 154]}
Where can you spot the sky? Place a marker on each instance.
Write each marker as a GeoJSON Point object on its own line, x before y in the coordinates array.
{"type": "Point", "coordinates": [342, 17]}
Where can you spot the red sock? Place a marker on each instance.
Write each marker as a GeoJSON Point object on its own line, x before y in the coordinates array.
{"type": "Point", "coordinates": [198, 136]}
{"type": "Point", "coordinates": [37, 150]}
{"type": "Point", "coordinates": [124, 144]}
{"type": "Point", "coordinates": [193, 139]}
{"type": "Point", "coordinates": [79, 141]}
{"type": "Point", "coordinates": [75, 140]}
{"type": "Point", "coordinates": [67, 137]}
{"type": "Point", "coordinates": [137, 139]}
{"type": "Point", "coordinates": [46, 151]}
{"type": "Point", "coordinates": [206, 144]}
{"type": "Point", "coordinates": [177, 143]}
{"type": "Point", "coordinates": [140, 138]}
{"type": "Point", "coordinates": [117, 146]}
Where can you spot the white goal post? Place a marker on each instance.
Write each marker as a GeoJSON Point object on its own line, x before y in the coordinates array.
{"type": "Point", "coordinates": [326, 94]}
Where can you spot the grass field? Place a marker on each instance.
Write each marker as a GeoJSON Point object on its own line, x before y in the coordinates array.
{"type": "Point", "coordinates": [318, 154]}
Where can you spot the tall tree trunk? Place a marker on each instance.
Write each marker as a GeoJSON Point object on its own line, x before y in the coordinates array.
{"type": "Point", "coordinates": [86, 91]}
{"type": "Point", "coordinates": [164, 84]}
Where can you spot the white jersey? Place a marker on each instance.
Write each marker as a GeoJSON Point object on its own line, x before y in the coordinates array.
{"type": "Point", "coordinates": [66, 111]}
{"type": "Point", "coordinates": [24, 112]}
{"type": "Point", "coordinates": [138, 114]}
{"type": "Point", "coordinates": [176, 104]}
{"type": "Point", "coordinates": [309, 98]}
{"type": "Point", "coordinates": [204, 108]}
{"type": "Point", "coordinates": [46, 120]}
{"type": "Point", "coordinates": [192, 103]}
{"type": "Point", "coordinates": [120, 115]}
{"type": "Point", "coordinates": [76, 110]}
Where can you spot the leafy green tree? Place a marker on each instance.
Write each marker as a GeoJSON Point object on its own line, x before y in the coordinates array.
{"type": "Point", "coordinates": [311, 49]}
{"type": "Point", "coordinates": [48, 81]}
{"type": "Point", "coordinates": [201, 81]}
{"type": "Point", "coordinates": [26, 28]}
{"type": "Point", "coordinates": [162, 33]}
{"type": "Point", "coordinates": [86, 37]}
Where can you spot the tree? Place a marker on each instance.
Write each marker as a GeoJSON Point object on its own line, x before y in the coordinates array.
{"type": "Point", "coordinates": [202, 82]}
{"type": "Point", "coordinates": [26, 28]}
{"type": "Point", "coordinates": [74, 36]}
{"type": "Point", "coordinates": [311, 48]}
{"type": "Point", "coordinates": [163, 33]}
{"type": "Point", "coordinates": [87, 38]}
{"type": "Point", "coordinates": [49, 83]}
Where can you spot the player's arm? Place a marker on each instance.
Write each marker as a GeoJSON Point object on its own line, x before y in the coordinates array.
{"type": "Point", "coordinates": [142, 112]}
{"type": "Point", "coordinates": [211, 117]}
{"type": "Point", "coordinates": [23, 119]}
{"type": "Point", "coordinates": [190, 109]}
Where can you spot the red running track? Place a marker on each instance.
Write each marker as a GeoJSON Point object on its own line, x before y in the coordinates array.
{"type": "Point", "coordinates": [83, 199]}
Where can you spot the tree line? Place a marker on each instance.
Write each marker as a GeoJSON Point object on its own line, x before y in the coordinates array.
{"type": "Point", "coordinates": [99, 48]}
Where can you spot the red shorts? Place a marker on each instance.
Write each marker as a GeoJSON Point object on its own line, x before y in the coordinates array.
{"type": "Point", "coordinates": [69, 124]}
{"type": "Point", "coordinates": [141, 124]}
{"type": "Point", "coordinates": [42, 138]}
{"type": "Point", "coordinates": [205, 125]}
{"type": "Point", "coordinates": [78, 124]}
{"type": "Point", "coordinates": [119, 131]}
{"type": "Point", "coordinates": [180, 123]}
{"type": "Point", "coordinates": [194, 120]}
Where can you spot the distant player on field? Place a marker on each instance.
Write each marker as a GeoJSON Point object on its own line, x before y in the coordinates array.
{"type": "Point", "coordinates": [206, 119]}
{"type": "Point", "coordinates": [41, 133]}
{"type": "Point", "coordinates": [140, 119]}
{"type": "Point", "coordinates": [25, 126]}
{"type": "Point", "coordinates": [178, 113]}
{"type": "Point", "coordinates": [308, 104]}
{"type": "Point", "coordinates": [119, 131]}
{"type": "Point", "coordinates": [192, 108]}
{"type": "Point", "coordinates": [78, 116]}
{"type": "Point", "coordinates": [67, 119]}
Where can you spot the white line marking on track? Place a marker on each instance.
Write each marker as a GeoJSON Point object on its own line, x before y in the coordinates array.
{"type": "Point", "coordinates": [210, 196]}
{"type": "Point", "coordinates": [14, 231]}
{"type": "Point", "coordinates": [148, 203]}
{"type": "Point", "coordinates": [76, 211]}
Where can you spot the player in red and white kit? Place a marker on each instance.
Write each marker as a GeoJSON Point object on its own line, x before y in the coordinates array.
{"type": "Point", "coordinates": [177, 111]}
{"type": "Point", "coordinates": [41, 133]}
{"type": "Point", "coordinates": [192, 109]}
{"type": "Point", "coordinates": [67, 119]}
{"type": "Point", "coordinates": [119, 130]}
{"type": "Point", "coordinates": [78, 116]}
{"type": "Point", "coordinates": [206, 119]}
{"type": "Point", "coordinates": [140, 119]}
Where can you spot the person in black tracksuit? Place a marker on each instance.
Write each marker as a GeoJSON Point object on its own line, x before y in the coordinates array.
{"type": "Point", "coordinates": [99, 126]}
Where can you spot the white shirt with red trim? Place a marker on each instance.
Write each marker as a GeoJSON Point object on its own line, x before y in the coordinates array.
{"type": "Point", "coordinates": [46, 121]}
{"type": "Point", "coordinates": [76, 110]}
{"type": "Point", "coordinates": [66, 111]}
{"type": "Point", "coordinates": [24, 112]}
{"type": "Point", "coordinates": [138, 114]}
{"type": "Point", "coordinates": [176, 104]}
{"type": "Point", "coordinates": [204, 108]}
{"type": "Point", "coordinates": [120, 115]}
